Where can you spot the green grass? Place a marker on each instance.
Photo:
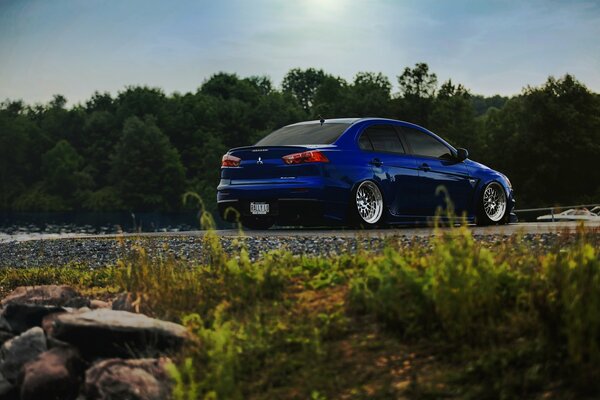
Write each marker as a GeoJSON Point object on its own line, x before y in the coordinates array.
{"type": "Point", "coordinates": [459, 318]}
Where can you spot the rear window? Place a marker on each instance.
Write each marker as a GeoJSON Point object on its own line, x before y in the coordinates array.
{"type": "Point", "coordinates": [382, 138]}
{"type": "Point", "coordinates": [304, 134]}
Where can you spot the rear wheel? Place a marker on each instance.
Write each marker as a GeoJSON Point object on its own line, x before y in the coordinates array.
{"type": "Point", "coordinates": [368, 204]}
{"type": "Point", "coordinates": [257, 222]}
{"type": "Point", "coordinates": [493, 205]}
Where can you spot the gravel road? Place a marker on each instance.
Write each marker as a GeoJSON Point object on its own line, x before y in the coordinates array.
{"type": "Point", "coordinates": [97, 251]}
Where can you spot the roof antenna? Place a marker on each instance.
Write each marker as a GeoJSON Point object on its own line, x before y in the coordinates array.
{"type": "Point", "coordinates": [321, 120]}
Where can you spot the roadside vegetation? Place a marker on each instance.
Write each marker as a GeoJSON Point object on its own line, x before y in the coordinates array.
{"type": "Point", "coordinates": [140, 149]}
{"type": "Point", "coordinates": [459, 318]}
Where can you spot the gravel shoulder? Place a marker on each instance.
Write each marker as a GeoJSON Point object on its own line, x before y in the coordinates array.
{"type": "Point", "coordinates": [99, 251]}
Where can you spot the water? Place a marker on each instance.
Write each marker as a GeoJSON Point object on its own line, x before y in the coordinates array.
{"type": "Point", "coordinates": [20, 226]}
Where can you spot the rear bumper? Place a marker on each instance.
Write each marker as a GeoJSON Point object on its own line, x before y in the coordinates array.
{"type": "Point", "coordinates": [284, 211]}
{"type": "Point", "coordinates": [298, 202]}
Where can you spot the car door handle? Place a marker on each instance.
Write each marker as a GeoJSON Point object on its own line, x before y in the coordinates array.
{"type": "Point", "coordinates": [425, 167]}
{"type": "Point", "coordinates": [376, 162]}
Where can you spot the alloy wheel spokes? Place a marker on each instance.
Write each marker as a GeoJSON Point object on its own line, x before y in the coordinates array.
{"type": "Point", "coordinates": [369, 202]}
{"type": "Point", "coordinates": [494, 201]}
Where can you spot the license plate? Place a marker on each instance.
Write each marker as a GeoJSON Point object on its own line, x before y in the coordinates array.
{"type": "Point", "coordinates": [259, 208]}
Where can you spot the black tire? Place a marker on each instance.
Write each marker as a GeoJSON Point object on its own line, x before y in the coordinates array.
{"type": "Point", "coordinates": [257, 223]}
{"type": "Point", "coordinates": [489, 217]}
{"type": "Point", "coordinates": [356, 219]}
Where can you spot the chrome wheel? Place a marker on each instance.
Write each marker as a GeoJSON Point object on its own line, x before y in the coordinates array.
{"type": "Point", "coordinates": [369, 202]}
{"type": "Point", "coordinates": [494, 202]}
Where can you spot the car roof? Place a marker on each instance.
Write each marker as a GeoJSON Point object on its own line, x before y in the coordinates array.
{"type": "Point", "coordinates": [353, 121]}
{"type": "Point", "coordinates": [329, 121]}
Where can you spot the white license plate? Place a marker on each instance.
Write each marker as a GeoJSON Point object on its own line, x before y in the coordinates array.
{"type": "Point", "coordinates": [259, 208]}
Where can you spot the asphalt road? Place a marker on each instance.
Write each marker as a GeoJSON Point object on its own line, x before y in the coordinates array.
{"type": "Point", "coordinates": [506, 230]}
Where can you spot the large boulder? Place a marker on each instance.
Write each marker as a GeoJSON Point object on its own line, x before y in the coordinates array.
{"type": "Point", "coordinates": [141, 379]}
{"type": "Point", "coordinates": [53, 295]}
{"type": "Point", "coordinates": [110, 333]}
{"type": "Point", "coordinates": [20, 350]}
{"type": "Point", "coordinates": [53, 375]}
{"type": "Point", "coordinates": [8, 391]}
{"type": "Point", "coordinates": [21, 317]}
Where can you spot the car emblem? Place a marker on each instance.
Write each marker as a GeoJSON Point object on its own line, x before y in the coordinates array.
{"type": "Point", "coordinates": [259, 162]}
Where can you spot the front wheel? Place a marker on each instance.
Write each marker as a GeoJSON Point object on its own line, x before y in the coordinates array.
{"type": "Point", "coordinates": [257, 222]}
{"type": "Point", "coordinates": [368, 204]}
{"type": "Point", "coordinates": [493, 205]}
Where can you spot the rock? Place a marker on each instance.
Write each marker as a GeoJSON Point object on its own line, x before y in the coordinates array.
{"type": "Point", "coordinates": [8, 391]}
{"type": "Point", "coordinates": [53, 295]}
{"type": "Point", "coordinates": [5, 336]}
{"type": "Point", "coordinates": [110, 333]}
{"type": "Point", "coordinates": [19, 350]}
{"type": "Point", "coordinates": [21, 317]}
{"type": "Point", "coordinates": [95, 304]}
{"type": "Point", "coordinates": [142, 379]}
{"type": "Point", "coordinates": [48, 322]}
{"type": "Point", "coordinates": [53, 375]}
{"type": "Point", "coordinates": [4, 325]}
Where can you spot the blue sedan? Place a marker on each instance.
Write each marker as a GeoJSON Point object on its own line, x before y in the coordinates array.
{"type": "Point", "coordinates": [361, 172]}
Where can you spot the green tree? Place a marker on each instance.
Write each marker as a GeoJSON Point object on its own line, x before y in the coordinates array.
{"type": "Point", "coordinates": [100, 135]}
{"type": "Point", "coordinates": [453, 118]}
{"type": "Point", "coordinates": [18, 165]}
{"type": "Point", "coordinates": [303, 85]}
{"type": "Point", "coordinates": [331, 99]}
{"type": "Point", "coordinates": [548, 141]}
{"type": "Point", "coordinates": [370, 95]}
{"type": "Point", "coordinates": [139, 101]}
{"type": "Point", "coordinates": [146, 168]}
{"type": "Point", "coordinates": [417, 92]}
{"type": "Point", "coordinates": [62, 173]}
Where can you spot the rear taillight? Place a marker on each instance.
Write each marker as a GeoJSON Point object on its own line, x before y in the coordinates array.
{"type": "Point", "coordinates": [305, 157]}
{"type": "Point", "coordinates": [230, 161]}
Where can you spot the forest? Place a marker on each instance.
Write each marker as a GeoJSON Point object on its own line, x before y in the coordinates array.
{"type": "Point", "coordinates": [141, 149]}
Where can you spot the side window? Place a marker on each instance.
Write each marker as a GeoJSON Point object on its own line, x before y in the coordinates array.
{"type": "Point", "coordinates": [424, 145]}
{"type": "Point", "coordinates": [364, 142]}
{"type": "Point", "coordinates": [384, 138]}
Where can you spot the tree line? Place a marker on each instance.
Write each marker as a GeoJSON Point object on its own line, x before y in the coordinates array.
{"type": "Point", "coordinates": [142, 149]}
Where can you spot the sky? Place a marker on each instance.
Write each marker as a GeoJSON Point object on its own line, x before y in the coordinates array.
{"type": "Point", "coordinates": [76, 47]}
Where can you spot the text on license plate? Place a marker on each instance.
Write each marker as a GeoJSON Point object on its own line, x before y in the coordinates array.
{"type": "Point", "coordinates": [259, 208]}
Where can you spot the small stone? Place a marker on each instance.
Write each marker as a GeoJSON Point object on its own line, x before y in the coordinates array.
{"type": "Point", "coordinates": [53, 375]}
{"type": "Point", "coordinates": [141, 379]}
{"type": "Point", "coordinates": [19, 350]}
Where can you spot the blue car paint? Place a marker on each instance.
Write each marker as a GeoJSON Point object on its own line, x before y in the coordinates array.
{"type": "Point", "coordinates": [411, 194]}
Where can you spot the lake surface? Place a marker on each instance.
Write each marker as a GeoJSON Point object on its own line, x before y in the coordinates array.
{"type": "Point", "coordinates": [15, 225]}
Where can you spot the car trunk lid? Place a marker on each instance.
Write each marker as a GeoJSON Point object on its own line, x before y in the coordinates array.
{"type": "Point", "coordinates": [260, 163]}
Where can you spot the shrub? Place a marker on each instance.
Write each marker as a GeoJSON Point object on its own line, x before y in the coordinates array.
{"type": "Point", "coordinates": [394, 290]}
{"type": "Point", "coordinates": [569, 308]}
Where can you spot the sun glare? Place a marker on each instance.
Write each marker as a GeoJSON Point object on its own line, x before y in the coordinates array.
{"type": "Point", "coordinates": [324, 7]}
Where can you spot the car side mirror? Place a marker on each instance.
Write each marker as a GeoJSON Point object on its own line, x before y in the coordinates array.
{"type": "Point", "coordinates": [462, 154]}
